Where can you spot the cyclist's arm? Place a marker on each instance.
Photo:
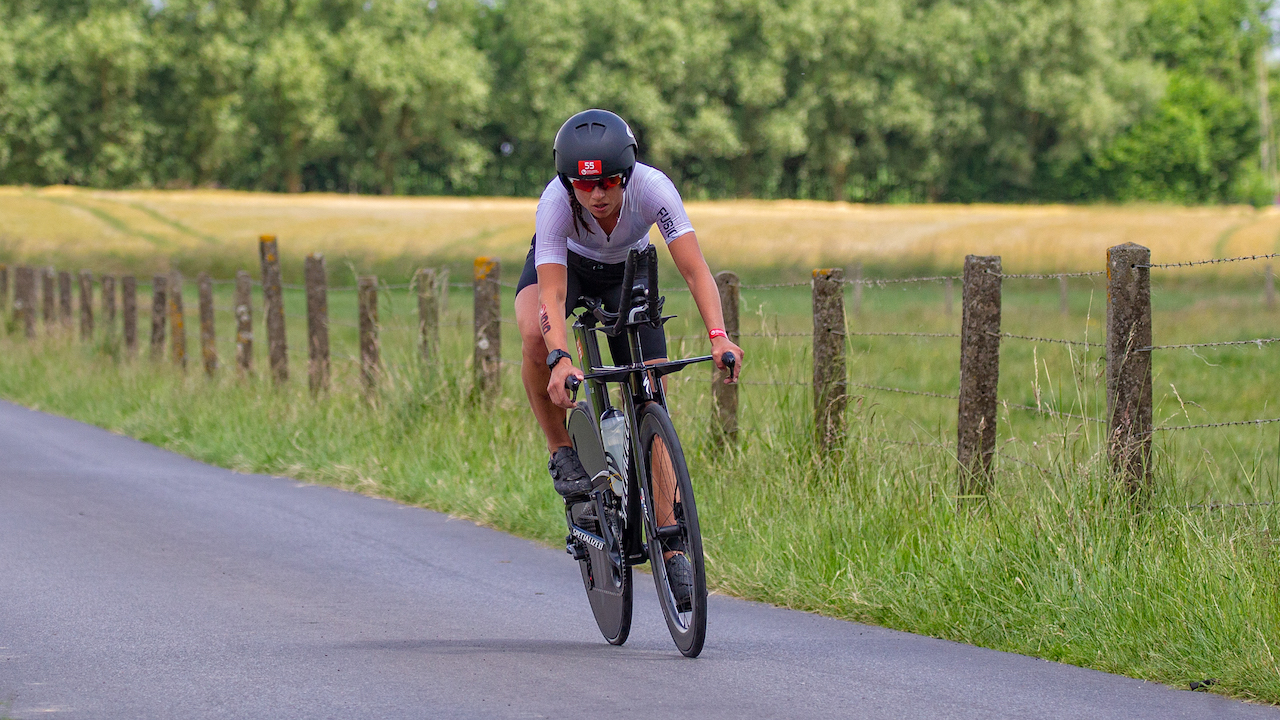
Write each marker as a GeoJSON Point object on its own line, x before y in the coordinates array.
{"type": "Point", "coordinates": [693, 266]}
{"type": "Point", "coordinates": [552, 281]}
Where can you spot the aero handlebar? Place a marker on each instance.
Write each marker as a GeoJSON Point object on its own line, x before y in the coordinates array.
{"type": "Point", "coordinates": [628, 279]}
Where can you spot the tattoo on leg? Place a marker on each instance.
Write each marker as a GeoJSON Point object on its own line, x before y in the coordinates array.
{"type": "Point", "coordinates": [546, 319]}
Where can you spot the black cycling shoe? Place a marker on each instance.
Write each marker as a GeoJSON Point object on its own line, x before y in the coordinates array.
{"type": "Point", "coordinates": [570, 478]}
{"type": "Point", "coordinates": [680, 580]}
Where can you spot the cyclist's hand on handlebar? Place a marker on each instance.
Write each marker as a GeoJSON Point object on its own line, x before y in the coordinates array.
{"type": "Point", "coordinates": [557, 388]}
{"type": "Point", "coordinates": [724, 352]}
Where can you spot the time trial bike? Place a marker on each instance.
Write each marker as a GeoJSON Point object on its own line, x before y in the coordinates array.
{"type": "Point", "coordinates": [642, 505]}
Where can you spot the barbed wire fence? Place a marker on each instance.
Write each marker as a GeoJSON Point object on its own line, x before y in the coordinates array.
{"type": "Point", "coordinates": [1128, 423]}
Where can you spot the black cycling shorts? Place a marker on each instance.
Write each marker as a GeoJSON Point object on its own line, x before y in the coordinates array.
{"type": "Point", "coordinates": [590, 278]}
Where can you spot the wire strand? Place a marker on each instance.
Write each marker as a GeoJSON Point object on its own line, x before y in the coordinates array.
{"type": "Point", "coordinates": [1256, 341]}
{"type": "Point", "coordinates": [1047, 340]}
{"type": "Point", "coordinates": [1158, 266]}
{"type": "Point", "coordinates": [1169, 428]}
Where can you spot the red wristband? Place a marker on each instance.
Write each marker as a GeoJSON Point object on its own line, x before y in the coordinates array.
{"type": "Point", "coordinates": [717, 333]}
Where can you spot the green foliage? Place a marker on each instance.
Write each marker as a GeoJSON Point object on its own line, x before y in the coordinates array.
{"type": "Point", "coordinates": [1200, 144]}
{"type": "Point", "coordinates": [1195, 148]}
{"type": "Point", "coordinates": [870, 100]}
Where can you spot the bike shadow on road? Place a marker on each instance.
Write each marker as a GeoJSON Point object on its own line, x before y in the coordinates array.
{"type": "Point", "coordinates": [543, 647]}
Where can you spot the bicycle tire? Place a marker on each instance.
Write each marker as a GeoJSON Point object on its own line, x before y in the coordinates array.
{"type": "Point", "coordinates": [688, 627]}
{"type": "Point", "coordinates": [608, 585]}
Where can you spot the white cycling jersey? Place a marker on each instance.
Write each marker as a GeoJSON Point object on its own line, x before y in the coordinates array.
{"type": "Point", "coordinates": [650, 198]}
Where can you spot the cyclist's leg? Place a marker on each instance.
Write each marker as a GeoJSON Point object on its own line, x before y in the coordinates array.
{"type": "Point", "coordinates": [533, 368]}
{"type": "Point", "coordinates": [534, 373]}
{"type": "Point", "coordinates": [666, 492]}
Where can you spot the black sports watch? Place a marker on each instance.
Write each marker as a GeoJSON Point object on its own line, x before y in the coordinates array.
{"type": "Point", "coordinates": [555, 356]}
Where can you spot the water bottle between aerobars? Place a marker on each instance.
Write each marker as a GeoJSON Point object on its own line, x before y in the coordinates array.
{"type": "Point", "coordinates": [613, 431]}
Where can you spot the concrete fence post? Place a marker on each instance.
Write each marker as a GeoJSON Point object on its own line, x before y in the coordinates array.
{"type": "Point", "coordinates": [64, 298]}
{"type": "Point", "coordinates": [273, 308]}
{"type": "Point", "coordinates": [24, 300]}
{"type": "Point", "coordinates": [244, 322]}
{"type": "Point", "coordinates": [367, 288]}
{"type": "Point", "coordinates": [427, 283]}
{"type": "Point", "coordinates": [488, 328]}
{"type": "Point", "coordinates": [129, 311]}
{"type": "Point", "coordinates": [317, 324]}
{"type": "Point", "coordinates": [208, 328]}
{"type": "Point", "coordinates": [725, 417]}
{"type": "Point", "coordinates": [109, 304]}
{"type": "Point", "coordinates": [48, 297]}
{"type": "Point", "coordinates": [177, 321]}
{"type": "Point", "coordinates": [86, 305]}
{"type": "Point", "coordinates": [1129, 417]}
{"type": "Point", "coordinates": [979, 372]}
{"type": "Point", "coordinates": [158, 302]}
{"type": "Point", "coordinates": [830, 383]}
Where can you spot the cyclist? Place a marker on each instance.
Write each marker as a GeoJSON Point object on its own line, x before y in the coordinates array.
{"type": "Point", "coordinates": [576, 253]}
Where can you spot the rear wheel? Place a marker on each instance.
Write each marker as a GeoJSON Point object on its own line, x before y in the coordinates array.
{"type": "Point", "coordinates": [671, 528]}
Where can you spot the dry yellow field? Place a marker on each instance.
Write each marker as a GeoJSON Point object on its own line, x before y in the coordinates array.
{"type": "Point", "coordinates": [146, 228]}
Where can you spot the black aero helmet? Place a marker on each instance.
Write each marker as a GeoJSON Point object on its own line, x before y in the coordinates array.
{"type": "Point", "coordinates": [594, 144]}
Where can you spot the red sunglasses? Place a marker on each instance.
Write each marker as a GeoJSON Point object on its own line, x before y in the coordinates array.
{"type": "Point", "coordinates": [607, 183]}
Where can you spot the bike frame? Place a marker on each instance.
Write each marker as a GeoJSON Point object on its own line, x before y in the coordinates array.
{"type": "Point", "coordinates": [638, 383]}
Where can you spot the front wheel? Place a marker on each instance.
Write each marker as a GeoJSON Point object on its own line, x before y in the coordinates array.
{"type": "Point", "coordinates": [671, 528]}
{"type": "Point", "coordinates": [602, 548]}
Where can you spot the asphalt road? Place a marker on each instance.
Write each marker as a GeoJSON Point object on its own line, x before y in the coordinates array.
{"type": "Point", "coordinates": [135, 583]}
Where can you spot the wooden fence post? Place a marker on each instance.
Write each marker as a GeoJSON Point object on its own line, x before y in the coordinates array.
{"type": "Point", "coordinates": [979, 372]}
{"type": "Point", "coordinates": [273, 308]}
{"type": "Point", "coordinates": [177, 321]}
{"type": "Point", "coordinates": [64, 298]}
{"type": "Point", "coordinates": [129, 306]}
{"type": "Point", "coordinates": [428, 313]}
{"type": "Point", "coordinates": [158, 300]}
{"type": "Point", "coordinates": [24, 299]}
{"type": "Point", "coordinates": [244, 323]}
{"type": "Point", "coordinates": [1129, 363]}
{"type": "Point", "coordinates": [86, 305]}
{"type": "Point", "coordinates": [830, 383]}
{"type": "Point", "coordinates": [1062, 295]}
{"type": "Point", "coordinates": [367, 288]}
{"type": "Point", "coordinates": [48, 292]}
{"type": "Point", "coordinates": [208, 331]}
{"type": "Point", "coordinates": [488, 328]}
{"type": "Point", "coordinates": [317, 324]}
{"type": "Point", "coordinates": [109, 304]}
{"type": "Point", "coordinates": [1271, 288]}
{"type": "Point", "coordinates": [725, 425]}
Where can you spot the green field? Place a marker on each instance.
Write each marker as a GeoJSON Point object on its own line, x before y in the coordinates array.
{"type": "Point", "coordinates": [1054, 564]}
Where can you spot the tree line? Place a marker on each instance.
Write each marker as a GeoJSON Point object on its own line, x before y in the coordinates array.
{"type": "Point", "coordinates": [866, 100]}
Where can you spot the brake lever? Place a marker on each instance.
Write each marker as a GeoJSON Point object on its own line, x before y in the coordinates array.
{"type": "Point", "coordinates": [730, 361]}
{"type": "Point", "coordinates": [572, 383]}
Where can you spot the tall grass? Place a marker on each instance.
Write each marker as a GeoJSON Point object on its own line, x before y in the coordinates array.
{"type": "Point", "coordinates": [1054, 563]}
